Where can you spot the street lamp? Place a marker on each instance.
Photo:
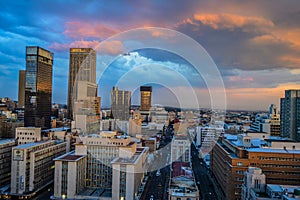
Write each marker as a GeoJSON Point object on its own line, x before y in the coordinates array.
{"type": "Point", "coordinates": [63, 196]}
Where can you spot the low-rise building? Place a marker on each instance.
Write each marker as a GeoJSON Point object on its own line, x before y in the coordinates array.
{"type": "Point", "coordinates": [25, 135]}
{"type": "Point", "coordinates": [182, 183]}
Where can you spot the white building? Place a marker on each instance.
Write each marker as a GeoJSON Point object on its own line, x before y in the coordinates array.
{"type": "Point", "coordinates": [180, 149]}
{"type": "Point", "coordinates": [255, 188]}
{"type": "Point", "coordinates": [26, 135]}
{"type": "Point", "coordinates": [128, 173]}
{"type": "Point", "coordinates": [254, 180]}
{"type": "Point", "coordinates": [101, 153]}
{"type": "Point", "coordinates": [206, 138]}
{"type": "Point", "coordinates": [70, 175]}
{"type": "Point", "coordinates": [33, 166]}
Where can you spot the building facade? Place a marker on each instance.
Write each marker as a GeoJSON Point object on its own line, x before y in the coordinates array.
{"type": "Point", "coordinates": [32, 166]}
{"type": "Point", "coordinates": [82, 67]}
{"type": "Point", "coordinates": [21, 90]}
{"type": "Point", "coordinates": [26, 135]}
{"type": "Point", "coordinates": [70, 174]}
{"type": "Point", "coordinates": [6, 146]}
{"type": "Point", "coordinates": [105, 166]}
{"type": "Point", "coordinates": [290, 115]}
{"type": "Point", "coordinates": [232, 155]}
{"type": "Point", "coordinates": [38, 87]}
{"type": "Point", "coordinates": [146, 98]}
{"type": "Point", "coordinates": [180, 149]}
{"type": "Point", "coordinates": [120, 104]}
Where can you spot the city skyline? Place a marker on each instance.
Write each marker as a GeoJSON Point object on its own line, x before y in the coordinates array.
{"type": "Point", "coordinates": [255, 45]}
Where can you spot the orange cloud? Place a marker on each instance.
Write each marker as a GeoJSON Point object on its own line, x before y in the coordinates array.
{"type": "Point", "coordinates": [85, 29]}
{"type": "Point", "coordinates": [257, 98]}
{"type": "Point", "coordinates": [291, 61]}
{"type": "Point", "coordinates": [232, 21]}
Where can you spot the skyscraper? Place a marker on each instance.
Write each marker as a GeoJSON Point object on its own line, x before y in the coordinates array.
{"type": "Point", "coordinates": [21, 91]}
{"type": "Point", "coordinates": [290, 115]}
{"type": "Point", "coordinates": [120, 103]}
{"type": "Point", "coordinates": [146, 93]}
{"type": "Point", "coordinates": [38, 87]}
{"type": "Point", "coordinates": [82, 68]}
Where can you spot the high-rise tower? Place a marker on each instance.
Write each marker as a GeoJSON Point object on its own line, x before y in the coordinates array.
{"type": "Point", "coordinates": [146, 93]}
{"type": "Point", "coordinates": [38, 87]}
{"type": "Point", "coordinates": [290, 115]}
{"type": "Point", "coordinates": [120, 104]}
{"type": "Point", "coordinates": [82, 68]}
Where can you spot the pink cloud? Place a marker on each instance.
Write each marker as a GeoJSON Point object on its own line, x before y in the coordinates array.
{"type": "Point", "coordinates": [81, 43]}
{"type": "Point", "coordinates": [106, 47]}
{"type": "Point", "coordinates": [79, 29]}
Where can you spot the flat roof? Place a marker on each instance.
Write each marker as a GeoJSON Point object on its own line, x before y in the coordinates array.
{"type": "Point", "coordinates": [3, 141]}
{"type": "Point", "coordinates": [70, 156]}
{"type": "Point", "coordinates": [95, 192]}
{"type": "Point", "coordinates": [28, 145]}
{"type": "Point", "coordinates": [270, 150]}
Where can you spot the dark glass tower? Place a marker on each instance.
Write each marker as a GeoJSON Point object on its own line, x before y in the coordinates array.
{"type": "Point", "coordinates": [38, 87]}
{"type": "Point", "coordinates": [290, 115]}
{"type": "Point", "coordinates": [146, 93]}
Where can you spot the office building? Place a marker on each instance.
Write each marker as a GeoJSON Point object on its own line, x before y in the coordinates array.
{"type": "Point", "coordinates": [206, 137]}
{"type": "Point", "coordinates": [289, 115]}
{"type": "Point", "coordinates": [255, 188]}
{"type": "Point", "coordinates": [254, 180]}
{"type": "Point", "coordinates": [21, 91]}
{"type": "Point", "coordinates": [70, 175]}
{"type": "Point", "coordinates": [267, 123]}
{"type": "Point", "coordinates": [82, 67]}
{"type": "Point", "coordinates": [38, 87]}
{"type": "Point", "coordinates": [232, 155]}
{"type": "Point", "coordinates": [33, 166]}
{"type": "Point", "coordinates": [181, 149]}
{"type": "Point", "coordinates": [159, 115]}
{"type": "Point", "coordinates": [6, 146]}
{"type": "Point", "coordinates": [120, 104]}
{"type": "Point", "coordinates": [113, 164]}
{"type": "Point", "coordinates": [128, 172]}
{"type": "Point", "coordinates": [146, 95]}
{"type": "Point", "coordinates": [182, 183]}
{"type": "Point", "coordinates": [25, 135]}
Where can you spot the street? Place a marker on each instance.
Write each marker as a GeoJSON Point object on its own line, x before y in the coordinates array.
{"type": "Point", "coordinates": [201, 175]}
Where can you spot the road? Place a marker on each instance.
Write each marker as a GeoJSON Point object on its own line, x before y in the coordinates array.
{"type": "Point", "coordinates": [157, 184]}
{"type": "Point", "coordinates": [201, 173]}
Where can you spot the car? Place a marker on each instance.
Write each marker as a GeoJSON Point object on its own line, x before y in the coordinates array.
{"type": "Point", "coordinates": [151, 197]}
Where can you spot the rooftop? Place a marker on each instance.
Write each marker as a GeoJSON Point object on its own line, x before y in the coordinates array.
{"type": "Point", "coordinates": [70, 157]}
{"type": "Point", "coordinates": [95, 192]}
{"type": "Point", "coordinates": [29, 145]}
{"type": "Point", "coordinates": [4, 141]}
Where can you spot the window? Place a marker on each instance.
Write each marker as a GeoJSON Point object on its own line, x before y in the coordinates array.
{"type": "Point", "coordinates": [239, 163]}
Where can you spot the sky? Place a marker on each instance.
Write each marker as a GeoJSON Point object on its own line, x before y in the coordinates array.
{"type": "Point", "coordinates": [255, 46]}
